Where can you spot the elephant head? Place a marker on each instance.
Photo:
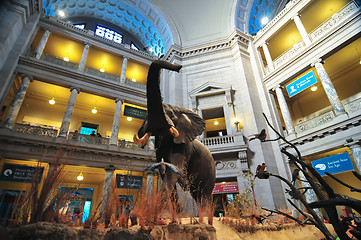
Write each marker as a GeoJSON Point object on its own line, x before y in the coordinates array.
{"type": "Point", "coordinates": [164, 119]}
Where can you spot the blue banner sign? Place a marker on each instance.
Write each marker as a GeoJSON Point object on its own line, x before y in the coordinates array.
{"type": "Point", "coordinates": [333, 164]}
{"type": "Point", "coordinates": [301, 84]}
{"type": "Point", "coordinates": [129, 182]}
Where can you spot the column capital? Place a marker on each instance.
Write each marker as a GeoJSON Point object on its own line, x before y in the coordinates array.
{"type": "Point", "coordinates": [87, 44]}
{"type": "Point", "coordinates": [296, 15]}
{"type": "Point", "coordinates": [350, 142]}
{"type": "Point", "coordinates": [110, 168]}
{"type": "Point", "coordinates": [265, 43]}
{"type": "Point", "coordinates": [125, 57]}
{"type": "Point", "coordinates": [75, 88]}
{"type": "Point", "coordinates": [119, 99]}
{"type": "Point", "coordinates": [317, 61]}
{"type": "Point", "coordinates": [23, 75]}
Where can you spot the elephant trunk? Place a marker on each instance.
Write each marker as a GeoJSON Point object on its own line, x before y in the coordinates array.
{"type": "Point", "coordinates": [158, 121]}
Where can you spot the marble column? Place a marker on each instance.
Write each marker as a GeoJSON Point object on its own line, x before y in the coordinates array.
{"type": "Point", "coordinates": [302, 30]}
{"type": "Point", "coordinates": [42, 43]}
{"type": "Point", "coordinates": [115, 128]}
{"type": "Point", "coordinates": [329, 88]}
{"type": "Point", "coordinates": [17, 102]}
{"type": "Point", "coordinates": [356, 153]}
{"type": "Point", "coordinates": [284, 110]}
{"type": "Point", "coordinates": [150, 184]}
{"type": "Point", "coordinates": [84, 57]}
{"type": "Point", "coordinates": [107, 189]}
{"type": "Point", "coordinates": [268, 56]}
{"type": "Point", "coordinates": [310, 195]}
{"type": "Point", "coordinates": [68, 113]}
{"type": "Point", "coordinates": [124, 69]}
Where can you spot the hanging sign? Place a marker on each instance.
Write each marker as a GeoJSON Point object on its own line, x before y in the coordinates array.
{"type": "Point", "coordinates": [134, 112]}
{"type": "Point", "coordinates": [225, 188]}
{"type": "Point", "coordinates": [301, 84]}
{"type": "Point", "coordinates": [333, 164]}
{"type": "Point", "coordinates": [21, 173]}
{"type": "Point", "coordinates": [129, 182]}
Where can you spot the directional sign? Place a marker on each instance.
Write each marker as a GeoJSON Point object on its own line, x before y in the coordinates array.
{"type": "Point", "coordinates": [21, 173]}
{"type": "Point", "coordinates": [301, 84]}
{"type": "Point", "coordinates": [333, 164]}
{"type": "Point", "coordinates": [225, 188]}
{"type": "Point", "coordinates": [129, 182]}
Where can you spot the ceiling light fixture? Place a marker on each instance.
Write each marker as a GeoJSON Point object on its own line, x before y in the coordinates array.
{"type": "Point", "coordinates": [80, 177]}
{"type": "Point", "coordinates": [216, 122]}
{"type": "Point", "coordinates": [52, 101]}
{"type": "Point", "coordinates": [129, 119]}
{"type": "Point", "coordinates": [264, 20]}
{"type": "Point", "coordinates": [61, 13]}
{"type": "Point", "coordinates": [94, 110]}
{"type": "Point", "coordinates": [102, 70]}
{"type": "Point", "coordinates": [134, 80]}
{"type": "Point", "coordinates": [66, 59]}
{"type": "Point", "coordinates": [314, 88]}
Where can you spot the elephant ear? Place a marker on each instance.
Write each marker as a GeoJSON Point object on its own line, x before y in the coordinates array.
{"type": "Point", "coordinates": [189, 126]}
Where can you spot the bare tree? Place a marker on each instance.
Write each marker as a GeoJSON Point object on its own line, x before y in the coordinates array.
{"type": "Point", "coordinates": [327, 198]}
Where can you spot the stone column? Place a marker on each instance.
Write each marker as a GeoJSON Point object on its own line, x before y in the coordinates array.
{"type": "Point", "coordinates": [84, 57]}
{"type": "Point", "coordinates": [310, 195]}
{"type": "Point", "coordinates": [285, 111]}
{"type": "Point", "coordinates": [68, 113]}
{"type": "Point", "coordinates": [115, 128]}
{"type": "Point", "coordinates": [302, 30]}
{"type": "Point", "coordinates": [356, 153]}
{"type": "Point", "coordinates": [329, 88]}
{"type": "Point", "coordinates": [42, 43]}
{"type": "Point", "coordinates": [150, 184]}
{"type": "Point", "coordinates": [17, 102]}
{"type": "Point", "coordinates": [107, 190]}
{"type": "Point", "coordinates": [124, 69]}
{"type": "Point", "coordinates": [268, 56]}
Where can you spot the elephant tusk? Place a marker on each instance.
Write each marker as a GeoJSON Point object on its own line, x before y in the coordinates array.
{"type": "Point", "coordinates": [174, 132]}
{"type": "Point", "coordinates": [143, 140]}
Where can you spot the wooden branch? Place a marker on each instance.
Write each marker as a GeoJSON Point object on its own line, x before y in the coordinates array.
{"type": "Point", "coordinates": [353, 203]}
{"type": "Point", "coordinates": [284, 214]}
{"type": "Point", "coordinates": [352, 189]}
{"type": "Point", "coordinates": [304, 214]}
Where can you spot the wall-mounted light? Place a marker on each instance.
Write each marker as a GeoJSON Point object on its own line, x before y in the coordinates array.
{"type": "Point", "coordinates": [216, 123]}
{"type": "Point", "coordinates": [129, 119]}
{"type": "Point", "coordinates": [102, 70]}
{"type": "Point", "coordinates": [314, 88]}
{"type": "Point", "coordinates": [80, 177]}
{"type": "Point", "coordinates": [94, 110]}
{"type": "Point", "coordinates": [52, 101]}
{"type": "Point", "coordinates": [61, 13]}
{"type": "Point", "coordinates": [66, 59]}
{"type": "Point", "coordinates": [236, 123]}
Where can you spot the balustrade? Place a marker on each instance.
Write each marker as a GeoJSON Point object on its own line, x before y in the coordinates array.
{"type": "Point", "coordinates": [135, 84]}
{"type": "Point", "coordinates": [88, 139]}
{"type": "Point", "coordinates": [35, 130]}
{"type": "Point", "coordinates": [291, 52]}
{"type": "Point", "coordinates": [58, 61]}
{"type": "Point", "coordinates": [353, 106]}
{"type": "Point", "coordinates": [315, 122]}
{"type": "Point", "coordinates": [131, 145]}
{"type": "Point", "coordinates": [212, 141]}
{"type": "Point", "coordinates": [101, 74]}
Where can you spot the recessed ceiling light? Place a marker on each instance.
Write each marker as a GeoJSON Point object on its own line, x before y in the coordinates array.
{"type": "Point", "coordinates": [61, 13]}
{"type": "Point", "coordinates": [216, 122]}
{"type": "Point", "coordinates": [66, 59]}
{"type": "Point", "coordinates": [94, 110]}
{"type": "Point", "coordinates": [150, 49]}
{"type": "Point", "coordinates": [102, 70]}
{"type": "Point", "coordinates": [134, 80]}
{"type": "Point", "coordinates": [314, 88]}
{"type": "Point", "coordinates": [264, 20]}
{"type": "Point", "coordinates": [129, 119]}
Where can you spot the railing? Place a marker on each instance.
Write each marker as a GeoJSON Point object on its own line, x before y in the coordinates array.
{"type": "Point", "coordinates": [58, 61]}
{"type": "Point", "coordinates": [88, 139]}
{"type": "Point", "coordinates": [135, 84]}
{"type": "Point", "coordinates": [35, 130]}
{"type": "Point", "coordinates": [102, 74]}
{"type": "Point", "coordinates": [212, 141]}
{"type": "Point", "coordinates": [291, 52]}
{"type": "Point", "coordinates": [131, 145]}
{"type": "Point", "coordinates": [347, 10]}
{"type": "Point", "coordinates": [315, 122]}
{"type": "Point", "coordinates": [353, 106]}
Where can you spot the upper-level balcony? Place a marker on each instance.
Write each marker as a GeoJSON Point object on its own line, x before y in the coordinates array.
{"type": "Point", "coordinates": [304, 26]}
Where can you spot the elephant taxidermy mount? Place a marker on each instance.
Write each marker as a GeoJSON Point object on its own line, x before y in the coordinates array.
{"type": "Point", "coordinates": [175, 129]}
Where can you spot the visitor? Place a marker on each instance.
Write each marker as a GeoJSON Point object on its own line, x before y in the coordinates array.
{"type": "Point", "coordinates": [92, 134]}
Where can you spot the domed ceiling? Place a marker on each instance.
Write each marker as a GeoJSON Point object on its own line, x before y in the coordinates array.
{"type": "Point", "coordinates": [158, 24]}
